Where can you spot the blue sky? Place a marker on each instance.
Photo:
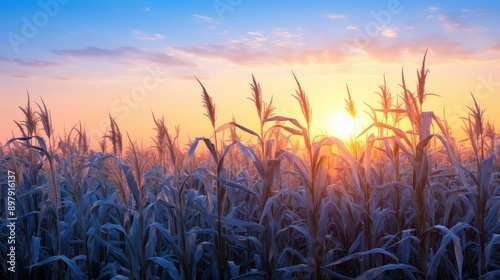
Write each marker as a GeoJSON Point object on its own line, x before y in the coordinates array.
{"type": "Point", "coordinates": [88, 56]}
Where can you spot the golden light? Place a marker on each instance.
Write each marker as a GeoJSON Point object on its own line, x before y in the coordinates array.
{"type": "Point", "coordinates": [342, 125]}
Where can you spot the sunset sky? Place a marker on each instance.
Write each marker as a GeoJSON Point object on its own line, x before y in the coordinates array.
{"type": "Point", "coordinates": [89, 59]}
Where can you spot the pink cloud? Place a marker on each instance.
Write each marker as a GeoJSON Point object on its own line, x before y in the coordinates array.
{"type": "Point", "coordinates": [283, 54]}
{"type": "Point", "coordinates": [442, 50]}
{"type": "Point", "coordinates": [26, 63]}
{"type": "Point", "coordinates": [409, 24]}
{"type": "Point", "coordinates": [25, 76]}
{"type": "Point", "coordinates": [22, 76]}
{"type": "Point", "coordinates": [390, 32]}
{"type": "Point", "coordinates": [122, 55]}
{"type": "Point", "coordinates": [274, 53]}
{"type": "Point", "coordinates": [495, 48]}
{"type": "Point", "coordinates": [456, 26]}
{"type": "Point", "coordinates": [237, 55]}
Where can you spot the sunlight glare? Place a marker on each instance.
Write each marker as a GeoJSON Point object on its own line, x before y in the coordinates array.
{"type": "Point", "coordinates": [342, 125]}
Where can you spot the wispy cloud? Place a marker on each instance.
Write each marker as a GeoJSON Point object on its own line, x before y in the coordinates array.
{"type": "Point", "coordinates": [433, 8]}
{"type": "Point", "coordinates": [123, 55]}
{"type": "Point", "coordinates": [27, 63]}
{"type": "Point", "coordinates": [495, 48]}
{"type": "Point", "coordinates": [259, 36]}
{"type": "Point", "coordinates": [456, 26]}
{"type": "Point", "coordinates": [336, 16]}
{"type": "Point", "coordinates": [245, 42]}
{"type": "Point", "coordinates": [205, 18]}
{"type": "Point", "coordinates": [408, 24]}
{"type": "Point", "coordinates": [255, 33]}
{"type": "Point", "coordinates": [141, 35]}
{"type": "Point", "coordinates": [273, 53]}
{"type": "Point", "coordinates": [280, 53]}
{"type": "Point", "coordinates": [389, 31]}
{"type": "Point", "coordinates": [352, 27]}
{"type": "Point", "coordinates": [23, 76]}
{"type": "Point", "coordinates": [441, 50]}
{"type": "Point", "coordinates": [282, 32]}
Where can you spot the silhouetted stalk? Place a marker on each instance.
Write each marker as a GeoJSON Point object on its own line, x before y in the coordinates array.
{"type": "Point", "coordinates": [317, 250]}
{"type": "Point", "coordinates": [351, 109]}
{"type": "Point", "coordinates": [420, 122]}
{"type": "Point", "coordinates": [46, 120]}
{"type": "Point", "coordinates": [474, 128]}
{"type": "Point", "coordinates": [115, 136]}
{"type": "Point", "coordinates": [264, 112]}
{"type": "Point", "coordinates": [209, 105]}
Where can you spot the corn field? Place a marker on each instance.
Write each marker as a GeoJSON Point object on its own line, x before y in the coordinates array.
{"type": "Point", "coordinates": [403, 199]}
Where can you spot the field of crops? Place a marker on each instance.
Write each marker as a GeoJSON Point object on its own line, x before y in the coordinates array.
{"type": "Point", "coordinates": [403, 199]}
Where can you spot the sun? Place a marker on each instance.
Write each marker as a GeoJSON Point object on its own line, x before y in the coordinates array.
{"type": "Point", "coordinates": [342, 125]}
